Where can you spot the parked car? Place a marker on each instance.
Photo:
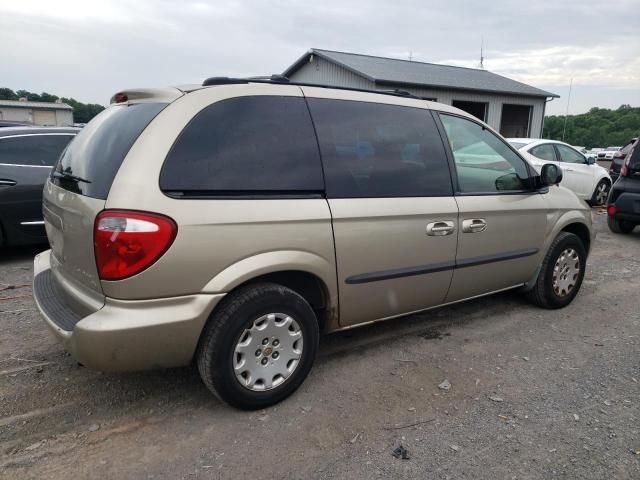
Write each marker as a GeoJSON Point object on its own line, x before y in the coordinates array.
{"type": "Point", "coordinates": [229, 224]}
{"type": "Point", "coordinates": [584, 176]}
{"type": "Point", "coordinates": [26, 157]}
{"type": "Point", "coordinates": [624, 202]}
{"type": "Point", "coordinates": [608, 153]}
{"type": "Point", "coordinates": [619, 158]}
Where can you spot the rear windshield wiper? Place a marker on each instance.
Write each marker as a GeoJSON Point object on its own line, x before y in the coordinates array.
{"type": "Point", "coordinates": [68, 176]}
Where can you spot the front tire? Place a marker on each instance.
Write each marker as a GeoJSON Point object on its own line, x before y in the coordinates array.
{"type": "Point", "coordinates": [620, 226]}
{"type": "Point", "coordinates": [601, 193]}
{"type": "Point", "coordinates": [258, 346]}
{"type": "Point", "coordinates": [561, 273]}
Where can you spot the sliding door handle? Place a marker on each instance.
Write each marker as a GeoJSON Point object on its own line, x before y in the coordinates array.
{"type": "Point", "coordinates": [474, 225]}
{"type": "Point", "coordinates": [439, 229]}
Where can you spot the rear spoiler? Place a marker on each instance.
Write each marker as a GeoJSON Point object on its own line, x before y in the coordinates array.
{"type": "Point", "coordinates": [168, 94]}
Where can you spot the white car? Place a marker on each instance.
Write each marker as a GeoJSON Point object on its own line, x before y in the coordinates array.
{"type": "Point", "coordinates": [583, 175]}
{"type": "Point", "coordinates": [608, 153]}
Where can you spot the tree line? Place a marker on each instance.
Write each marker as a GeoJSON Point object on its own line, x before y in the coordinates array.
{"type": "Point", "coordinates": [599, 127]}
{"type": "Point", "coordinates": [82, 112]}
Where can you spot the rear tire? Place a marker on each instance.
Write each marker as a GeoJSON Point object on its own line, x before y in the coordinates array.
{"type": "Point", "coordinates": [258, 346]}
{"type": "Point", "coordinates": [601, 193]}
{"type": "Point", "coordinates": [620, 226]}
{"type": "Point", "coordinates": [561, 273]}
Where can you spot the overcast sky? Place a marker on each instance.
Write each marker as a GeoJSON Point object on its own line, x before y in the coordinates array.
{"type": "Point", "coordinates": [89, 49]}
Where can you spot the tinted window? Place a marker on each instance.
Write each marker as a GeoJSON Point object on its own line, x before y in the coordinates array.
{"type": "Point", "coordinates": [569, 155]}
{"type": "Point", "coordinates": [246, 144]}
{"type": "Point", "coordinates": [517, 145]}
{"type": "Point", "coordinates": [485, 163]}
{"type": "Point", "coordinates": [38, 150]}
{"type": "Point", "coordinates": [374, 150]}
{"type": "Point", "coordinates": [544, 152]}
{"type": "Point", "coordinates": [99, 149]}
{"type": "Point", "coordinates": [627, 148]}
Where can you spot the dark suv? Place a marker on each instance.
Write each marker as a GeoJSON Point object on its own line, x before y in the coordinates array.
{"type": "Point", "coordinates": [624, 200]}
{"type": "Point", "coordinates": [619, 158]}
{"type": "Point", "coordinates": [27, 155]}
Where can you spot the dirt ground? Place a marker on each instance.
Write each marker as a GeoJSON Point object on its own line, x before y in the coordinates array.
{"type": "Point", "coordinates": [533, 394]}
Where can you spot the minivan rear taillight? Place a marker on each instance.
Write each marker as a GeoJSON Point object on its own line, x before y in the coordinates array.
{"type": "Point", "coordinates": [127, 242]}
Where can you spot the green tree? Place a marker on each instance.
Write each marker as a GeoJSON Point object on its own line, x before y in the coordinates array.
{"type": "Point", "coordinates": [600, 127]}
{"type": "Point", "coordinates": [7, 94]}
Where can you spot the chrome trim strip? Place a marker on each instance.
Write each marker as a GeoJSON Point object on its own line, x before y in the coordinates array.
{"type": "Point", "coordinates": [70, 134]}
{"type": "Point", "coordinates": [28, 166]}
{"type": "Point", "coordinates": [35, 222]}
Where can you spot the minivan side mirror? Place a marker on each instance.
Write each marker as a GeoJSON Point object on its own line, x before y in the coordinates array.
{"type": "Point", "coordinates": [550, 174]}
{"type": "Point", "coordinates": [591, 160]}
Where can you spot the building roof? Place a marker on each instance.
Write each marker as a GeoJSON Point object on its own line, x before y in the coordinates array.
{"type": "Point", "coordinates": [397, 72]}
{"type": "Point", "coordinates": [49, 105]}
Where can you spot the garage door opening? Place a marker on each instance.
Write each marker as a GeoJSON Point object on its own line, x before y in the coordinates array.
{"type": "Point", "coordinates": [516, 121]}
{"type": "Point", "coordinates": [477, 109]}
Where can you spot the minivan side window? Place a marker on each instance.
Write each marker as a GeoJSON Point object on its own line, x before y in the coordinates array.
{"type": "Point", "coordinates": [33, 150]}
{"type": "Point", "coordinates": [377, 150]}
{"type": "Point", "coordinates": [569, 155]}
{"type": "Point", "coordinates": [484, 162]}
{"type": "Point", "coordinates": [544, 152]}
{"type": "Point", "coordinates": [246, 145]}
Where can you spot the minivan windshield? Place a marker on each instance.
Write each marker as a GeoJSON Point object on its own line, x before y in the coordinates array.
{"type": "Point", "coordinates": [90, 162]}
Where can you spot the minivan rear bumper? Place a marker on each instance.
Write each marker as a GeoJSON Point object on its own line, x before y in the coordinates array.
{"type": "Point", "coordinates": [124, 335]}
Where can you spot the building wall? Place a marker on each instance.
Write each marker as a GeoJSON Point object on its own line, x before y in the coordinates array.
{"type": "Point", "coordinates": [16, 114]}
{"type": "Point", "coordinates": [64, 118]}
{"type": "Point", "coordinates": [322, 71]}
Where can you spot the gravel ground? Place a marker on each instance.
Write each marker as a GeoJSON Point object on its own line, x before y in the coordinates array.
{"type": "Point", "coordinates": [533, 394]}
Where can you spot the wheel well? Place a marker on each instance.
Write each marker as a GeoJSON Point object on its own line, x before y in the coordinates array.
{"type": "Point", "coordinates": [582, 232]}
{"type": "Point", "coordinates": [309, 286]}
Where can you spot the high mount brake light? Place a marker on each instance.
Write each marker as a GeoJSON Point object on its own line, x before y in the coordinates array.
{"type": "Point", "coordinates": [128, 242]}
{"type": "Point", "coordinates": [120, 97]}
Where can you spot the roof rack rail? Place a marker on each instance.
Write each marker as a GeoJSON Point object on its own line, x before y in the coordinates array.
{"type": "Point", "coordinates": [281, 79]}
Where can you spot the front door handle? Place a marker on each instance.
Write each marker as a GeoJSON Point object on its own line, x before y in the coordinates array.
{"type": "Point", "coordinates": [439, 229]}
{"type": "Point", "coordinates": [474, 225]}
{"type": "Point", "coordinates": [5, 182]}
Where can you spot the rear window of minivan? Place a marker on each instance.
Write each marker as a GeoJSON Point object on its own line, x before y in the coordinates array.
{"type": "Point", "coordinates": [96, 154]}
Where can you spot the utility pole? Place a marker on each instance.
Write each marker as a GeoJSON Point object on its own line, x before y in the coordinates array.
{"type": "Point", "coordinates": [410, 56]}
{"type": "Point", "coordinates": [566, 115]}
{"type": "Point", "coordinates": [481, 53]}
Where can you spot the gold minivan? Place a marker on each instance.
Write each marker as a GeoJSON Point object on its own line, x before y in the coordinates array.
{"type": "Point", "coordinates": [229, 224]}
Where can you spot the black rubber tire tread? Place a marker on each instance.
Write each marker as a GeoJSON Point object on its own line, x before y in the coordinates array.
{"type": "Point", "coordinates": [593, 202]}
{"type": "Point", "coordinates": [542, 293]}
{"type": "Point", "coordinates": [620, 226]}
{"type": "Point", "coordinates": [229, 320]}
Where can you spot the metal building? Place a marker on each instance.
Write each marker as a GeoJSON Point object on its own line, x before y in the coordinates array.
{"type": "Point", "coordinates": [37, 113]}
{"type": "Point", "coordinates": [513, 108]}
